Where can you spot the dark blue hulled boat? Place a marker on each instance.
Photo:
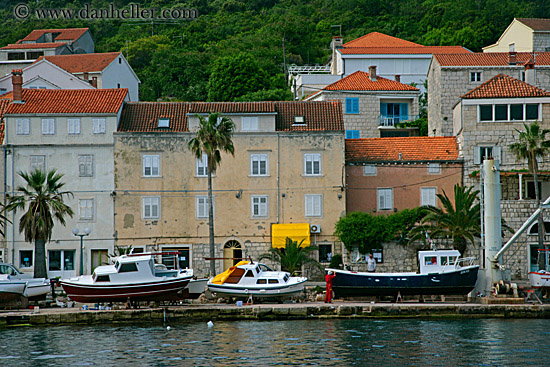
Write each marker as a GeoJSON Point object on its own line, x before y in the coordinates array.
{"type": "Point", "coordinates": [441, 272]}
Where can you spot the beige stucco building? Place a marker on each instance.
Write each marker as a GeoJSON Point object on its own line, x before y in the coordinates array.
{"type": "Point", "coordinates": [523, 35]}
{"type": "Point", "coordinates": [287, 168]}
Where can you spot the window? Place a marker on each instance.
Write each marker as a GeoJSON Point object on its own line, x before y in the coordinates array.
{"type": "Point", "coordinates": [202, 166]}
{"type": "Point", "coordinates": [261, 281]}
{"type": "Point", "coordinates": [202, 206]}
{"type": "Point", "coordinates": [385, 199]}
{"type": "Point", "coordinates": [60, 260]}
{"type": "Point", "coordinates": [98, 126]}
{"type": "Point", "coordinates": [434, 168]}
{"type": "Point", "coordinates": [127, 268]}
{"type": "Point", "coordinates": [73, 126]}
{"type": "Point", "coordinates": [151, 207]}
{"type": "Point", "coordinates": [314, 205]}
{"type": "Point", "coordinates": [352, 134]}
{"type": "Point", "coordinates": [259, 206]}
{"type": "Point", "coordinates": [273, 281]}
{"type": "Point", "coordinates": [25, 258]}
{"type": "Point", "coordinates": [475, 76]}
{"type": "Point", "coordinates": [483, 152]}
{"type": "Point", "coordinates": [86, 209]}
{"type": "Point", "coordinates": [151, 165]}
{"type": "Point", "coordinates": [258, 164]}
{"type": "Point", "coordinates": [325, 253]}
{"type": "Point", "coordinates": [352, 105]}
{"type": "Point", "coordinates": [33, 55]}
{"type": "Point", "coordinates": [3, 91]}
{"type": "Point", "coordinates": [508, 112]}
{"type": "Point", "coordinates": [250, 123]}
{"type": "Point", "coordinates": [428, 195]}
{"type": "Point", "coordinates": [393, 113]}
{"type": "Point", "coordinates": [86, 165]}
{"type": "Point", "coordinates": [369, 170]}
{"type": "Point", "coordinates": [164, 122]}
{"type": "Point", "coordinates": [48, 126]}
{"type": "Point", "coordinates": [312, 164]}
{"type": "Point", "coordinates": [531, 193]}
{"type": "Point", "coordinates": [299, 120]}
{"type": "Point", "coordinates": [38, 162]}
{"type": "Point", "coordinates": [16, 56]}
{"type": "Point", "coordinates": [23, 126]}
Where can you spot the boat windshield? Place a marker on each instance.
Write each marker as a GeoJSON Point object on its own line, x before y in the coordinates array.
{"type": "Point", "coordinates": [286, 278]}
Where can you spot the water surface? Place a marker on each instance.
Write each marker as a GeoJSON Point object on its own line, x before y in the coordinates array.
{"type": "Point", "coordinates": [335, 342]}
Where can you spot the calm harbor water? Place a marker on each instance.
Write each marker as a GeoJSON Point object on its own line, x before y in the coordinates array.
{"type": "Point", "coordinates": [486, 342]}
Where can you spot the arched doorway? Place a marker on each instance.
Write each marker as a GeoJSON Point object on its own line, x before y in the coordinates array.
{"type": "Point", "coordinates": [231, 250]}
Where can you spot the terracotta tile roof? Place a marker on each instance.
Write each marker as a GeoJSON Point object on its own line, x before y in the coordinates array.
{"type": "Point", "coordinates": [232, 107]}
{"type": "Point", "coordinates": [504, 86]}
{"type": "Point", "coordinates": [491, 59]}
{"type": "Point", "coordinates": [405, 50]}
{"type": "Point", "coordinates": [64, 34]}
{"type": "Point", "coordinates": [536, 24]}
{"type": "Point", "coordinates": [421, 148]}
{"type": "Point", "coordinates": [318, 116]}
{"type": "Point", "coordinates": [21, 46]}
{"type": "Point", "coordinates": [360, 80]}
{"type": "Point", "coordinates": [379, 43]}
{"type": "Point", "coordinates": [64, 101]}
{"type": "Point", "coordinates": [80, 63]}
{"type": "Point", "coordinates": [144, 116]}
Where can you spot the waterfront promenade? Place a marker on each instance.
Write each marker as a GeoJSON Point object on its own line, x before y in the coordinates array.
{"type": "Point", "coordinates": [266, 311]}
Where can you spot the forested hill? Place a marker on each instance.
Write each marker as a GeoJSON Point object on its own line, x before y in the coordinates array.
{"type": "Point", "coordinates": [242, 41]}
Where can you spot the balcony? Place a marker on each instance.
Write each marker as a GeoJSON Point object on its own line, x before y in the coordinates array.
{"type": "Point", "coordinates": [391, 121]}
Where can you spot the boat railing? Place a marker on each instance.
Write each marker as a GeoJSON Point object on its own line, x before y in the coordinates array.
{"type": "Point", "coordinates": [464, 262]}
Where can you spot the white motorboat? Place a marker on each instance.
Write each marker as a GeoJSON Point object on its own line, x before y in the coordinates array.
{"type": "Point", "coordinates": [11, 289]}
{"type": "Point", "coordinates": [37, 288]}
{"type": "Point", "coordinates": [195, 287]}
{"type": "Point", "coordinates": [132, 277]}
{"type": "Point", "coordinates": [247, 278]}
{"type": "Point", "coordinates": [539, 279]}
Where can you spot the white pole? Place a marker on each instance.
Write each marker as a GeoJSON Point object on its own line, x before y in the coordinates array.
{"type": "Point", "coordinates": [492, 219]}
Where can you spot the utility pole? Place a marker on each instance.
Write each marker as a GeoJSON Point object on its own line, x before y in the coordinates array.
{"type": "Point", "coordinates": [284, 58]}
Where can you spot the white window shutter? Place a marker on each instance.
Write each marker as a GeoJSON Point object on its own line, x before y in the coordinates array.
{"type": "Point", "coordinates": [497, 153]}
{"type": "Point", "coordinates": [477, 159]}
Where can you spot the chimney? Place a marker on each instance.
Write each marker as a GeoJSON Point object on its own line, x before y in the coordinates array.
{"type": "Point", "coordinates": [398, 78]}
{"type": "Point", "coordinates": [337, 42]}
{"type": "Point", "coordinates": [93, 82]}
{"type": "Point", "coordinates": [529, 70]}
{"type": "Point", "coordinates": [372, 73]}
{"type": "Point", "coordinates": [17, 83]}
{"type": "Point", "coordinates": [512, 58]}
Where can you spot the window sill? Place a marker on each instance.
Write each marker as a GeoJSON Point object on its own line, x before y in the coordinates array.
{"type": "Point", "coordinates": [313, 176]}
{"type": "Point", "coordinates": [506, 121]}
{"type": "Point", "coordinates": [256, 176]}
{"type": "Point", "coordinates": [151, 176]}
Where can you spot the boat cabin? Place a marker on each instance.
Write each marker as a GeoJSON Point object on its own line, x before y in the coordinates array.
{"type": "Point", "coordinates": [125, 268]}
{"type": "Point", "coordinates": [437, 261]}
{"type": "Point", "coordinates": [246, 273]}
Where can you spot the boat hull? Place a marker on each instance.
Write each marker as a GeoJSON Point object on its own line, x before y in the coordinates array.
{"type": "Point", "coordinates": [37, 289]}
{"type": "Point", "coordinates": [235, 290]}
{"type": "Point", "coordinates": [11, 290]}
{"type": "Point", "coordinates": [356, 284]}
{"type": "Point", "coordinates": [162, 290]}
{"type": "Point", "coordinates": [195, 288]}
{"type": "Point", "coordinates": [539, 279]}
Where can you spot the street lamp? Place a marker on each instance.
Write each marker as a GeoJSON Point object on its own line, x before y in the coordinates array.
{"type": "Point", "coordinates": [76, 232]}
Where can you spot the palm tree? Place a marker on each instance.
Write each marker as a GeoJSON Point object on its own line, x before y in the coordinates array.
{"type": "Point", "coordinates": [292, 257]}
{"type": "Point", "coordinates": [213, 138]}
{"type": "Point", "coordinates": [532, 144]}
{"type": "Point", "coordinates": [460, 222]}
{"type": "Point", "coordinates": [44, 198]}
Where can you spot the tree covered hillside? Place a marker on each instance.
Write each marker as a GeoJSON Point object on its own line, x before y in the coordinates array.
{"type": "Point", "coordinates": [241, 42]}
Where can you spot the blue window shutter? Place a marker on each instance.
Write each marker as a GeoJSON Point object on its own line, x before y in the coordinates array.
{"type": "Point", "coordinates": [384, 109]}
{"type": "Point", "coordinates": [355, 105]}
{"type": "Point", "coordinates": [352, 134]}
{"type": "Point", "coordinates": [348, 105]}
{"type": "Point", "coordinates": [404, 111]}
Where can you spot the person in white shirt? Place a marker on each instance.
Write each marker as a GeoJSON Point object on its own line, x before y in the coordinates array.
{"type": "Point", "coordinates": [371, 264]}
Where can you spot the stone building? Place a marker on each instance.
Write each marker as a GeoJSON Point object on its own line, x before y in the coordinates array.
{"type": "Point", "coordinates": [373, 106]}
{"type": "Point", "coordinates": [451, 76]}
{"type": "Point", "coordinates": [392, 174]}
{"type": "Point", "coordinates": [486, 121]}
{"type": "Point", "coordinates": [287, 169]}
{"type": "Point", "coordinates": [523, 35]}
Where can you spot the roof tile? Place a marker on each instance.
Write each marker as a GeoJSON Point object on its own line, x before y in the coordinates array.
{"type": "Point", "coordinates": [232, 107]}
{"type": "Point", "coordinates": [21, 46]}
{"type": "Point", "coordinates": [504, 86]}
{"type": "Point", "coordinates": [63, 101]}
{"type": "Point", "coordinates": [360, 80]}
{"type": "Point", "coordinates": [318, 116]}
{"type": "Point", "coordinates": [64, 34]}
{"type": "Point", "coordinates": [144, 116]}
{"type": "Point", "coordinates": [80, 63]}
{"type": "Point", "coordinates": [419, 148]}
{"type": "Point", "coordinates": [491, 59]}
{"type": "Point", "coordinates": [536, 24]}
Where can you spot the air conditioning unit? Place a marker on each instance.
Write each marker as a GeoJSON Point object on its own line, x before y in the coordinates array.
{"type": "Point", "coordinates": [315, 228]}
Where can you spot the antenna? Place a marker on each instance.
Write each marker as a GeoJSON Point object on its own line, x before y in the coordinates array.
{"type": "Point", "coordinates": [337, 26]}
